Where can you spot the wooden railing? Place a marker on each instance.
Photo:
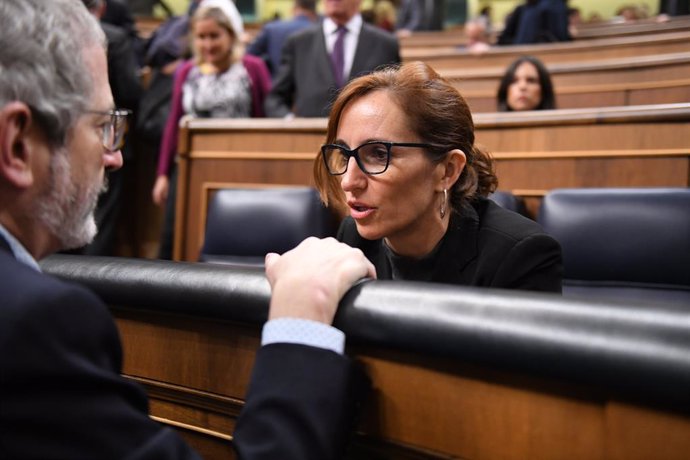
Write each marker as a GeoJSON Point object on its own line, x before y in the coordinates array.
{"type": "Point", "coordinates": [457, 372]}
{"type": "Point", "coordinates": [456, 37]}
{"type": "Point", "coordinates": [657, 79]}
{"type": "Point", "coordinates": [644, 69]}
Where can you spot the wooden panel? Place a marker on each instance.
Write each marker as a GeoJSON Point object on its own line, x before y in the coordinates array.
{"type": "Point", "coordinates": [196, 372]}
{"type": "Point", "coordinates": [200, 361]}
{"type": "Point", "coordinates": [660, 95]}
{"type": "Point", "coordinates": [525, 172]}
{"type": "Point", "coordinates": [598, 95]}
{"type": "Point", "coordinates": [643, 136]}
{"type": "Point", "coordinates": [475, 413]}
{"type": "Point", "coordinates": [651, 435]}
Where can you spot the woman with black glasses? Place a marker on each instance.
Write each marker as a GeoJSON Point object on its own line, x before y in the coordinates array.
{"type": "Point", "coordinates": [401, 164]}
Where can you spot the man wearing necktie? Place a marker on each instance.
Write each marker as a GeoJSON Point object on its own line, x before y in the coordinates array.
{"type": "Point", "coordinates": [318, 61]}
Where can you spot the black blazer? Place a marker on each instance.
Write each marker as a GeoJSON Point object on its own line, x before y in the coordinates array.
{"type": "Point", "coordinates": [485, 245]}
{"type": "Point", "coordinates": [305, 83]}
{"type": "Point", "coordinates": [62, 396]}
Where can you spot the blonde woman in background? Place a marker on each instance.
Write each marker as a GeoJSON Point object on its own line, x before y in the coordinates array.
{"type": "Point", "coordinates": [219, 82]}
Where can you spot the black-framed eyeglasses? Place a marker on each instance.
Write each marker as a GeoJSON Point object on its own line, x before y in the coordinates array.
{"type": "Point", "coordinates": [371, 157]}
{"type": "Point", "coordinates": [114, 129]}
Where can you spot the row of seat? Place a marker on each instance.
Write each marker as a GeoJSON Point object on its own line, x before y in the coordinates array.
{"type": "Point", "coordinates": [618, 243]}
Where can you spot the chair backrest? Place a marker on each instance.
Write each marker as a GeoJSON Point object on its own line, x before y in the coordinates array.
{"type": "Point", "coordinates": [509, 201]}
{"type": "Point", "coordinates": [622, 242]}
{"type": "Point", "coordinates": [243, 225]}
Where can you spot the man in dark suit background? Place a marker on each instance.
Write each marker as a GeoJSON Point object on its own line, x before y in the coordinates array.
{"type": "Point", "coordinates": [269, 43]}
{"type": "Point", "coordinates": [61, 392]}
{"type": "Point", "coordinates": [306, 82]}
{"type": "Point", "coordinates": [124, 82]}
{"type": "Point", "coordinates": [417, 15]}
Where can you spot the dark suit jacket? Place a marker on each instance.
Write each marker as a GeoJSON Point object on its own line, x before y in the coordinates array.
{"type": "Point", "coordinates": [117, 13]}
{"type": "Point", "coordinates": [268, 45]}
{"type": "Point", "coordinates": [126, 88]}
{"type": "Point", "coordinates": [542, 22]}
{"type": "Point", "coordinates": [62, 396]}
{"type": "Point", "coordinates": [410, 15]}
{"type": "Point", "coordinates": [305, 79]}
{"type": "Point", "coordinates": [122, 68]}
{"type": "Point", "coordinates": [485, 245]}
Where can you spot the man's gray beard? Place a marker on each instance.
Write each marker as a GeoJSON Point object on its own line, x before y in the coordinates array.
{"type": "Point", "coordinates": [66, 209]}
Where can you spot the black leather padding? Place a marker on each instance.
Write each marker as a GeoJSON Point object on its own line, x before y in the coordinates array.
{"type": "Point", "coordinates": [243, 225]}
{"type": "Point", "coordinates": [636, 349]}
{"type": "Point", "coordinates": [614, 239]}
{"type": "Point", "coordinates": [197, 289]}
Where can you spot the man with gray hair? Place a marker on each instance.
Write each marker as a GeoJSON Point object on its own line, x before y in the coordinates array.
{"type": "Point", "coordinates": [61, 392]}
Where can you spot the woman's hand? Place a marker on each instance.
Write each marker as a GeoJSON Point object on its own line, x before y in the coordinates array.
{"type": "Point", "coordinates": [160, 190]}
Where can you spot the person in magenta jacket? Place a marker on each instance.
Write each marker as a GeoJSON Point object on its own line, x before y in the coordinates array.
{"type": "Point", "coordinates": [219, 82]}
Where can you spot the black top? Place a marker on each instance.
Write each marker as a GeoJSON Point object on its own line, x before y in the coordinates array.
{"type": "Point", "coordinates": [485, 245]}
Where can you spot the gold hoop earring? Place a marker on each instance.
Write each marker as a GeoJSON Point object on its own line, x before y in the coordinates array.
{"type": "Point", "coordinates": [444, 202]}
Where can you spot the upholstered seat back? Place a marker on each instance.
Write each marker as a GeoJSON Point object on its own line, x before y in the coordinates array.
{"type": "Point", "coordinates": [622, 242]}
{"type": "Point", "coordinates": [507, 200]}
{"type": "Point", "coordinates": [244, 224]}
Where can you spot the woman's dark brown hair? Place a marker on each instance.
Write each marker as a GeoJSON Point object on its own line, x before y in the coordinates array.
{"type": "Point", "coordinates": [548, 96]}
{"type": "Point", "coordinates": [438, 115]}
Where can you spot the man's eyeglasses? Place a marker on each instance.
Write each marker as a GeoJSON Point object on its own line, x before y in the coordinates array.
{"type": "Point", "coordinates": [114, 129]}
{"type": "Point", "coordinates": [371, 157]}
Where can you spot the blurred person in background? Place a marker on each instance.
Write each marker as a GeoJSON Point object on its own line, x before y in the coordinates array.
{"type": "Point", "coordinates": [220, 82]}
{"type": "Point", "coordinates": [268, 45]}
{"type": "Point", "coordinates": [126, 89]}
{"type": "Point", "coordinates": [385, 15]}
{"type": "Point", "coordinates": [477, 37]}
{"type": "Point", "coordinates": [526, 85]}
{"type": "Point", "coordinates": [536, 21]}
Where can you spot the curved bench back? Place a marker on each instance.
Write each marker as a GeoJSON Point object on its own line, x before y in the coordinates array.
{"type": "Point", "coordinates": [622, 242]}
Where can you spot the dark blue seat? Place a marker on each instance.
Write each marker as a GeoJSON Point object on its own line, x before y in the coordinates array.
{"type": "Point", "coordinates": [509, 201]}
{"type": "Point", "coordinates": [622, 243]}
{"type": "Point", "coordinates": [244, 224]}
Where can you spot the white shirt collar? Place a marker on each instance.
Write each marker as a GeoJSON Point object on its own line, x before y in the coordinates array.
{"type": "Point", "coordinates": [353, 26]}
{"type": "Point", "coordinates": [19, 251]}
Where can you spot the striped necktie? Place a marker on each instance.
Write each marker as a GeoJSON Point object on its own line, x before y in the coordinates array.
{"type": "Point", "coordinates": [338, 56]}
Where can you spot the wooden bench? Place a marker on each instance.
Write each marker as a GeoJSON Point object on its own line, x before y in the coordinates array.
{"type": "Point", "coordinates": [601, 48]}
{"type": "Point", "coordinates": [657, 79]}
{"type": "Point", "coordinates": [534, 152]}
{"type": "Point", "coordinates": [636, 28]}
{"type": "Point", "coordinates": [456, 37]}
{"type": "Point", "coordinates": [628, 70]}
{"type": "Point", "coordinates": [456, 372]}
{"type": "Point", "coordinates": [599, 95]}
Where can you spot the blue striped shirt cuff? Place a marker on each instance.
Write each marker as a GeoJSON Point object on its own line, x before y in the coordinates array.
{"type": "Point", "coordinates": [304, 332]}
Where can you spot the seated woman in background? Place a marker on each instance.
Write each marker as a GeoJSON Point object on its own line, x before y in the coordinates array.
{"type": "Point", "coordinates": [526, 85]}
{"type": "Point", "coordinates": [400, 159]}
{"type": "Point", "coordinates": [220, 82]}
